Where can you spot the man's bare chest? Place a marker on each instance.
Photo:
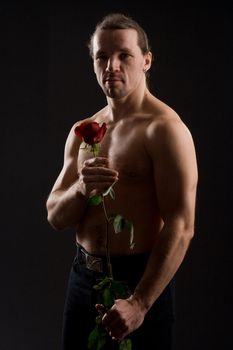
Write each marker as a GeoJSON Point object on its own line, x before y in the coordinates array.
{"type": "Point", "coordinates": [124, 147]}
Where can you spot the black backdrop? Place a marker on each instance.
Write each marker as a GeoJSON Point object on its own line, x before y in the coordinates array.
{"type": "Point", "coordinates": [47, 84]}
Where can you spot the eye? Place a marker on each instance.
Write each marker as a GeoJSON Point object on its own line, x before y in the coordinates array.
{"type": "Point", "coordinates": [101, 57]}
{"type": "Point", "coordinates": [124, 55]}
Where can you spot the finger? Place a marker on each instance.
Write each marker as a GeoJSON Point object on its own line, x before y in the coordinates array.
{"type": "Point", "coordinates": [110, 318]}
{"type": "Point", "coordinates": [99, 171]}
{"type": "Point", "coordinates": [96, 161]}
{"type": "Point", "coordinates": [89, 176]}
{"type": "Point", "coordinates": [118, 331]}
{"type": "Point", "coordinates": [100, 181]}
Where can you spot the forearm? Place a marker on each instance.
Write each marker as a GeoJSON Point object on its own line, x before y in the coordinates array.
{"type": "Point", "coordinates": [66, 207]}
{"type": "Point", "coordinates": [166, 256]}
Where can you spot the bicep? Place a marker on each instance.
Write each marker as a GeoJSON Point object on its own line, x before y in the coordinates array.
{"type": "Point", "coordinates": [175, 174]}
{"type": "Point", "coordinates": [69, 172]}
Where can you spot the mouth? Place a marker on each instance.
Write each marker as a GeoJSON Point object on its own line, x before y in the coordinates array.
{"type": "Point", "coordinates": [113, 81]}
{"type": "Point", "coordinates": [112, 77]}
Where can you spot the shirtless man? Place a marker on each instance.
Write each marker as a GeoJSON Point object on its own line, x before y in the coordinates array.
{"type": "Point", "coordinates": [149, 152]}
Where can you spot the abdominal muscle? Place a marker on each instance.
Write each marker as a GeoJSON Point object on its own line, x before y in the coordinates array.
{"type": "Point", "coordinates": [92, 231]}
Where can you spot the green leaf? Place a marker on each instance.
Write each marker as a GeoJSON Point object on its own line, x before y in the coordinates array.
{"type": "Point", "coordinates": [101, 342]}
{"type": "Point", "coordinates": [98, 319]}
{"type": "Point", "coordinates": [105, 281]}
{"type": "Point", "coordinates": [108, 299]}
{"type": "Point", "coordinates": [93, 338]}
{"type": "Point", "coordinates": [118, 223]}
{"type": "Point", "coordinates": [125, 344]}
{"type": "Point", "coordinates": [120, 289]}
{"type": "Point", "coordinates": [97, 338]}
{"type": "Point", "coordinates": [94, 200]}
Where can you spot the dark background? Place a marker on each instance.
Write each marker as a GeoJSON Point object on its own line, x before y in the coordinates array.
{"type": "Point", "coordinates": [47, 84]}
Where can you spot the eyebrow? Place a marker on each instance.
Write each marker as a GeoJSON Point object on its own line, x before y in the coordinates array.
{"type": "Point", "coordinates": [123, 49]}
{"type": "Point", "coordinates": [99, 52]}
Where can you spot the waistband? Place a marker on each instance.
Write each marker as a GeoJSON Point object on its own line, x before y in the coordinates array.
{"type": "Point", "coordinates": [121, 263]}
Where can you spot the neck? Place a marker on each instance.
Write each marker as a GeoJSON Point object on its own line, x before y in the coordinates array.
{"type": "Point", "coordinates": [127, 106]}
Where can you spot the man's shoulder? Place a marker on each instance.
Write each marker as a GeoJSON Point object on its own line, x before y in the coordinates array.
{"type": "Point", "coordinates": [163, 117]}
{"type": "Point", "coordinates": [159, 111]}
{"type": "Point", "coordinates": [165, 124]}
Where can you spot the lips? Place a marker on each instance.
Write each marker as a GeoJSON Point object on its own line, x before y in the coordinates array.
{"type": "Point", "coordinates": [111, 79]}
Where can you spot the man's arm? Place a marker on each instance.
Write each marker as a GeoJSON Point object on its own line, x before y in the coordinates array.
{"type": "Point", "coordinates": [67, 201]}
{"type": "Point", "coordinates": [171, 148]}
{"type": "Point", "coordinates": [175, 172]}
{"type": "Point", "coordinates": [66, 204]}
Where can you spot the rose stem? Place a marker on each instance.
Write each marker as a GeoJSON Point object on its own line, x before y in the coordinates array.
{"type": "Point", "coordinates": [107, 240]}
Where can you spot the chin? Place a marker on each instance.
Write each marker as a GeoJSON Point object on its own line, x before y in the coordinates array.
{"type": "Point", "coordinates": [116, 94]}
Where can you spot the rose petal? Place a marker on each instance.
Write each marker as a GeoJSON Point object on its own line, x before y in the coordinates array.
{"type": "Point", "coordinates": [90, 132]}
{"type": "Point", "coordinates": [101, 132]}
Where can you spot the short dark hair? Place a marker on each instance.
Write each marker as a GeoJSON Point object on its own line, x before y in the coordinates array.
{"type": "Point", "coordinates": [120, 21]}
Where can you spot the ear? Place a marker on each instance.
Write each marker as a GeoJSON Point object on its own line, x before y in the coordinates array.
{"type": "Point", "coordinates": [147, 61]}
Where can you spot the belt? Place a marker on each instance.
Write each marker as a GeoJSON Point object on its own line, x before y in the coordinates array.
{"type": "Point", "coordinates": [123, 264]}
{"type": "Point", "coordinates": [92, 262]}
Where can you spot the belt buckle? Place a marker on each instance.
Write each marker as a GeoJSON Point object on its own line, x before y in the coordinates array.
{"type": "Point", "coordinates": [93, 263]}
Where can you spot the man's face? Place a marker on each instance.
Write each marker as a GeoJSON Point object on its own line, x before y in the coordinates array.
{"type": "Point", "coordinates": [118, 61]}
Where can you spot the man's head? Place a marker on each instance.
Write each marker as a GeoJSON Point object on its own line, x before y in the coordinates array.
{"type": "Point", "coordinates": [120, 21]}
{"type": "Point", "coordinates": [105, 45]}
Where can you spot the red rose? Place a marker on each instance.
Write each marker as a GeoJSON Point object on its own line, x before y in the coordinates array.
{"type": "Point", "coordinates": [90, 132]}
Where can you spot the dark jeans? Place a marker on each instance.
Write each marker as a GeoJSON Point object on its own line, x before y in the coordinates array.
{"type": "Point", "coordinates": [79, 313]}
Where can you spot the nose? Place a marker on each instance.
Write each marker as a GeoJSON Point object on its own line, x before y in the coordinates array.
{"type": "Point", "coordinates": [113, 65]}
